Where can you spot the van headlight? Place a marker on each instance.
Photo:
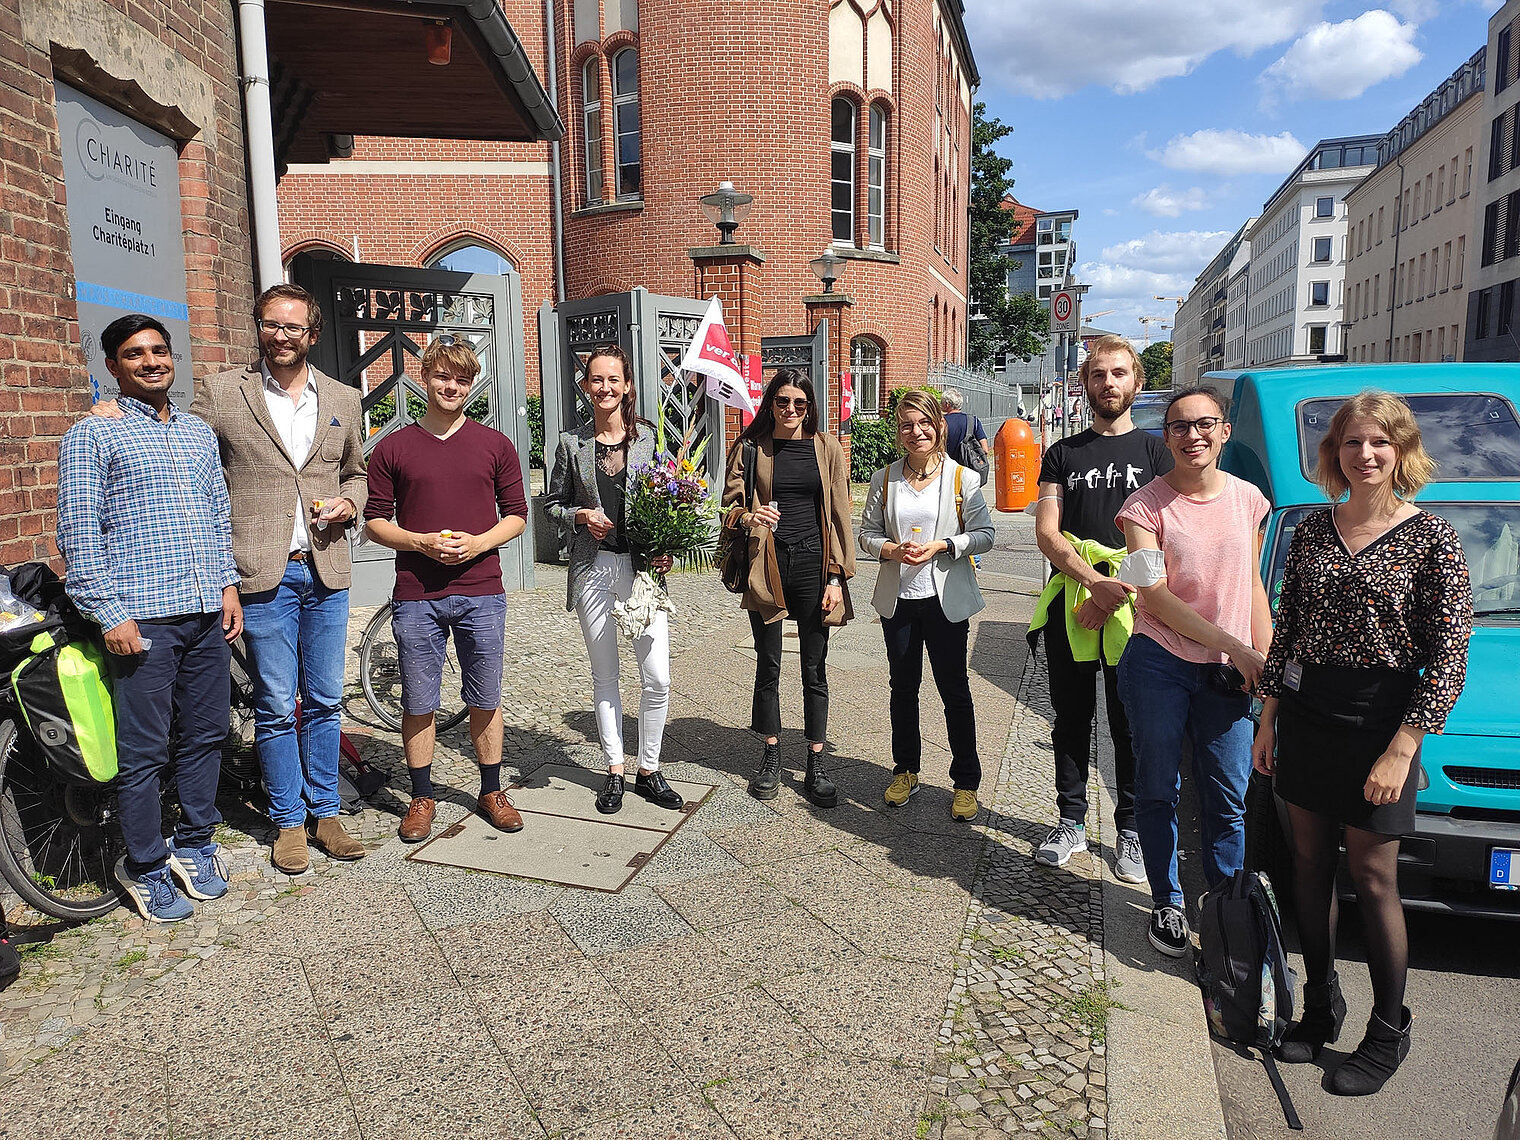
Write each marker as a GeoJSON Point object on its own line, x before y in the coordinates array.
{"type": "Point", "coordinates": [1424, 781]}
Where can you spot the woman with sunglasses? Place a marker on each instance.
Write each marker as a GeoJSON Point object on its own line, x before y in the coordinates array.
{"type": "Point", "coordinates": [1201, 630]}
{"type": "Point", "coordinates": [925, 518]}
{"type": "Point", "coordinates": [586, 495]}
{"type": "Point", "coordinates": [1369, 654]}
{"type": "Point", "coordinates": [802, 552]}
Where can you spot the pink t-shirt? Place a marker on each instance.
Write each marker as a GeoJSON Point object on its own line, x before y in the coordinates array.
{"type": "Point", "coordinates": [1210, 549]}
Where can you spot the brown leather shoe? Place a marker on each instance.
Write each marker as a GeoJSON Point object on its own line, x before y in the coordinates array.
{"type": "Point", "coordinates": [334, 838]}
{"type": "Point", "coordinates": [418, 824]}
{"type": "Point", "coordinates": [289, 854]}
{"type": "Point", "coordinates": [499, 811]}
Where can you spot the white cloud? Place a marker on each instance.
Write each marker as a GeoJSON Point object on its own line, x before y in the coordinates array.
{"type": "Point", "coordinates": [1185, 251]}
{"type": "Point", "coordinates": [1048, 50]}
{"type": "Point", "coordinates": [1164, 202]}
{"type": "Point", "coordinates": [1340, 61]}
{"type": "Point", "coordinates": [1128, 277]}
{"type": "Point", "coordinates": [1231, 152]}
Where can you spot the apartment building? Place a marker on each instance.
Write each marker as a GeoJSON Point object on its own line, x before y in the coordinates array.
{"type": "Point", "coordinates": [1202, 329]}
{"type": "Point", "coordinates": [1409, 228]}
{"type": "Point", "coordinates": [1490, 332]}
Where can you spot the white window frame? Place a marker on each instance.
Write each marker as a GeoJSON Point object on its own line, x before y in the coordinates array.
{"type": "Point", "coordinates": [840, 147]}
{"type": "Point", "coordinates": [865, 374]}
{"type": "Point", "coordinates": [876, 177]}
{"type": "Point", "coordinates": [591, 123]}
{"type": "Point", "coordinates": [622, 101]}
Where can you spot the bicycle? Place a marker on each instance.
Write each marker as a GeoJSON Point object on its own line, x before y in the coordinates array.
{"type": "Point", "coordinates": [60, 839]}
{"type": "Point", "coordinates": [380, 674]}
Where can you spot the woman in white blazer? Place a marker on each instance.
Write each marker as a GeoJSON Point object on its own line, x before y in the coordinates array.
{"type": "Point", "coordinates": [924, 518]}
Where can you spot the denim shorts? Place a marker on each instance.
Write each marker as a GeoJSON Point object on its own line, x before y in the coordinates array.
{"type": "Point", "coordinates": [422, 632]}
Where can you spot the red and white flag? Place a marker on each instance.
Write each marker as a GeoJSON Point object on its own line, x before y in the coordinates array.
{"type": "Point", "coordinates": [712, 355]}
{"type": "Point", "coordinates": [846, 395]}
{"type": "Point", "coordinates": [756, 382]}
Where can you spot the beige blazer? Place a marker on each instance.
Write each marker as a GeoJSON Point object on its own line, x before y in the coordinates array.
{"type": "Point", "coordinates": [264, 482]}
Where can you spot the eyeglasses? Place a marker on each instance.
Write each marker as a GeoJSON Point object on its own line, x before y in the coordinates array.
{"type": "Point", "coordinates": [1178, 429]}
{"type": "Point", "coordinates": [797, 403]}
{"type": "Point", "coordinates": [446, 340]}
{"type": "Point", "coordinates": [292, 331]}
{"type": "Point", "coordinates": [914, 426]}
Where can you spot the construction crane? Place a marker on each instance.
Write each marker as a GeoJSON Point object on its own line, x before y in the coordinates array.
{"type": "Point", "coordinates": [1148, 321]}
{"type": "Point", "coordinates": [1100, 313]}
{"type": "Point", "coordinates": [1180, 300]}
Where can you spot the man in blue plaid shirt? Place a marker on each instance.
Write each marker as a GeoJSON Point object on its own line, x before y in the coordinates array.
{"type": "Point", "coordinates": [145, 526]}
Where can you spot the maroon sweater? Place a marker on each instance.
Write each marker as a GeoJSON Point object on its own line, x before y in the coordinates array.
{"type": "Point", "coordinates": [468, 482]}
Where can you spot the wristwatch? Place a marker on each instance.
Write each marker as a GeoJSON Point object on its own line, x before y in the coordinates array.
{"type": "Point", "coordinates": [835, 580]}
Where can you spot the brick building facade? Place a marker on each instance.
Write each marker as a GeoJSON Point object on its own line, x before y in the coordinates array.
{"type": "Point", "coordinates": [849, 121]}
{"type": "Point", "coordinates": [170, 67]}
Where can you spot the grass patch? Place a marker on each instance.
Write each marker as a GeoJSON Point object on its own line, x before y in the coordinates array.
{"type": "Point", "coordinates": [929, 1119]}
{"type": "Point", "coordinates": [130, 958]}
{"type": "Point", "coordinates": [1091, 1007]}
{"type": "Point", "coordinates": [1007, 954]}
{"type": "Point", "coordinates": [716, 1083]}
{"type": "Point", "coordinates": [39, 951]}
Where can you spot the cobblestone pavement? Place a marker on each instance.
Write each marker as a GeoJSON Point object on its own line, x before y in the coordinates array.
{"type": "Point", "coordinates": [775, 970]}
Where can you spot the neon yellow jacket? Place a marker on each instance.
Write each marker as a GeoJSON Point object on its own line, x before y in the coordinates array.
{"type": "Point", "coordinates": [1086, 643]}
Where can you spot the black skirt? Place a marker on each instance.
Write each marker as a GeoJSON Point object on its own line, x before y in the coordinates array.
{"type": "Point", "coordinates": [1329, 734]}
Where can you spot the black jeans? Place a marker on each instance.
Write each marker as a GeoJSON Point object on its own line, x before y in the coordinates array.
{"type": "Point", "coordinates": [802, 587]}
{"type": "Point", "coordinates": [920, 624]}
{"type": "Point", "coordinates": [184, 678]}
{"type": "Point", "coordinates": [1074, 698]}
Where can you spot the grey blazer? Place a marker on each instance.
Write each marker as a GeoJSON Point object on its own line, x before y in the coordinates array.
{"type": "Point", "coordinates": [954, 577]}
{"type": "Point", "coordinates": [572, 485]}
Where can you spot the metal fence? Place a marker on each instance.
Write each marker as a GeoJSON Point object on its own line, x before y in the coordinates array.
{"type": "Point", "coordinates": [987, 396]}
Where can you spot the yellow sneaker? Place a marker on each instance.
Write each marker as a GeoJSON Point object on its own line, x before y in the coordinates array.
{"type": "Point", "coordinates": [903, 785]}
{"type": "Point", "coordinates": [964, 805]}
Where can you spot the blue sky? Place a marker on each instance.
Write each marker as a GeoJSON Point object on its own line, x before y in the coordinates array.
{"type": "Point", "coordinates": [1168, 123]}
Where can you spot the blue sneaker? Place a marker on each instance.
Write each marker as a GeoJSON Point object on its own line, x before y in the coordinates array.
{"type": "Point", "coordinates": [200, 870]}
{"type": "Point", "coordinates": [154, 894]}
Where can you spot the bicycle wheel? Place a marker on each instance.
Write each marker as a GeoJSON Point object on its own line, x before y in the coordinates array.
{"type": "Point", "coordinates": [58, 846]}
{"type": "Point", "coordinates": [380, 673]}
{"type": "Point", "coordinates": [240, 764]}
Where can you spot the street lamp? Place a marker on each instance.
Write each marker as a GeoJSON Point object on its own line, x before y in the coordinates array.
{"type": "Point", "coordinates": [828, 267]}
{"type": "Point", "coordinates": [725, 208]}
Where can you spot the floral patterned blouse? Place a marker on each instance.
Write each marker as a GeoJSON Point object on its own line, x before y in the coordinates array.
{"type": "Point", "coordinates": [1402, 602]}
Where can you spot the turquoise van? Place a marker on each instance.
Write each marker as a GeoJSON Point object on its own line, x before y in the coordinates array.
{"type": "Point", "coordinates": [1464, 854]}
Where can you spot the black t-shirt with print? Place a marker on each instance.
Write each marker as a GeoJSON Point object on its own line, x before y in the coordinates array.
{"type": "Point", "coordinates": [1097, 473]}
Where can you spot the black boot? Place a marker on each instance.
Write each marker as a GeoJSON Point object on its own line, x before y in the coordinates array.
{"type": "Point", "coordinates": [10, 960]}
{"type": "Point", "coordinates": [766, 782]}
{"type": "Point", "coordinates": [610, 800]}
{"type": "Point", "coordinates": [817, 787]}
{"type": "Point", "coordinates": [1324, 1011]}
{"type": "Point", "coordinates": [1368, 1069]}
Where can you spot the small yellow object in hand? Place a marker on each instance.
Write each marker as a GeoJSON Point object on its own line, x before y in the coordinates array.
{"type": "Point", "coordinates": [445, 534]}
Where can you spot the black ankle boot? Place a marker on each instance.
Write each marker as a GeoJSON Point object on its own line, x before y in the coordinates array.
{"type": "Point", "coordinates": [817, 787]}
{"type": "Point", "coordinates": [1368, 1069]}
{"type": "Point", "coordinates": [1324, 1011]}
{"type": "Point", "coordinates": [766, 782]}
{"type": "Point", "coordinates": [610, 799]}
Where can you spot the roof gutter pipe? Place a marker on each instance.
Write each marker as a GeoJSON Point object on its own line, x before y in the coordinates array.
{"type": "Point", "coordinates": [556, 195]}
{"type": "Point", "coordinates": [253, 48]}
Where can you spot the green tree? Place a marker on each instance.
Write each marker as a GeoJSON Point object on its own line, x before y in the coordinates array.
{"type": "Point", "coordinates": [1157, 361]}
{"type": "Point", "coordinates": [1016, 324]}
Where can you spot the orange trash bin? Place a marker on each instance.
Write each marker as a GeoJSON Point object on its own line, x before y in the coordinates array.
{"type": "Point", "coordinates": [1017, 459]}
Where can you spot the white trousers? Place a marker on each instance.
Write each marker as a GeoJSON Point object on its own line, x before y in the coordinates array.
{"type": "Point", "coordinates": [611, 580]}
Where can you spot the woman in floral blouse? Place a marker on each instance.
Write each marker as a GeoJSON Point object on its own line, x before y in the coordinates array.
{"type": "Point", "coordinates": [1369, 654]}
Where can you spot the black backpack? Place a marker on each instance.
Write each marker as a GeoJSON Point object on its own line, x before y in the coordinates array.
{"type": "Point", "coordinates": [1243, 971]}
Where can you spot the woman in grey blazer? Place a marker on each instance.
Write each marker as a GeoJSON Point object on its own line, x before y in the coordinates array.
{"type": "Point", "coordinates": [586, 496]}
{"type": "Point", "coordinates": [924, 518]}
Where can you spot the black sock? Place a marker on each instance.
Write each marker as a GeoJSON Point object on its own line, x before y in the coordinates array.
{"type": "Point", "coordinates": [490, 778]}
{"type": "Point", "coordinates": [422, 782]}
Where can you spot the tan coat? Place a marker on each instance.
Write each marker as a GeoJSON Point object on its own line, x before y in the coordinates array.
{"type": "Point", "coordinates": [764, 592]}
{"type": "Point", "coordinates": [264, 481]}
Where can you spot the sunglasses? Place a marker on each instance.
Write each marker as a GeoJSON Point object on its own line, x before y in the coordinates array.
{"type": "Point", "coordinates": [1179, 428]}
{"type": "Point", "coordinates": [799, 403]}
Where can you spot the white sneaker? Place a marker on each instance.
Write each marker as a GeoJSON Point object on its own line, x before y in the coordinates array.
{"type": "Point", "coordinates": [1065, 840]}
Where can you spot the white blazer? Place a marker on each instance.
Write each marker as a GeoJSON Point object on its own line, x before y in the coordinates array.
{"type": "Point", "coordinates": [952, 572]}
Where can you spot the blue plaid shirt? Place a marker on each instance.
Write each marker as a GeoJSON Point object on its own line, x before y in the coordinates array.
{"type": "Point", "coordinates": [144, 521]}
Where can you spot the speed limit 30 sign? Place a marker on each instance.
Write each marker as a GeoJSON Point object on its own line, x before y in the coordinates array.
{"type": "Point", "coordinates": [1063, 311]}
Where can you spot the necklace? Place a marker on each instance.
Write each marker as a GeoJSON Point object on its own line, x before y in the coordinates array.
{"type": "Point", "coordinates": [925, 473]}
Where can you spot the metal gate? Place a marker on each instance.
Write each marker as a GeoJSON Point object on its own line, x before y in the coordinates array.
{"type": "Point", "coordinates": [810, 353]}
{"type": "Point", "coordinates": [377, 319]}
{"type": "Point", "coordinates": [654, 331]}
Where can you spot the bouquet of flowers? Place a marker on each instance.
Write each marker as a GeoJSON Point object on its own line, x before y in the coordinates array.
{"type": "Point", "coordinates": [669, 510]}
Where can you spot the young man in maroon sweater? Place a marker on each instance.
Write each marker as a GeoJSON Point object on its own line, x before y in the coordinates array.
{"type": "Point", "coordinates": [444, 493]}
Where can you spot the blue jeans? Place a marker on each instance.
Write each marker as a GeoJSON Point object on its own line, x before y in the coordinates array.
{"type": "Point", "coordinates": [297, 640]}
{"type": "Point", "coordinates": [1166, 699]}
{"type": "Point", "coordinates": [183, 678]}
{"type": "Point", "coordinates": [421, 629]}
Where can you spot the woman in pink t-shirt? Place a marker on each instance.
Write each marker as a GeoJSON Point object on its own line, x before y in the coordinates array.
{"type": "Point", "coordinates": [1201, 631]}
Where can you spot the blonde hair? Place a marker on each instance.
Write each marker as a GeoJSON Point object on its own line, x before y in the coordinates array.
{"type": "Point", "coordinates": [1393, 416]}
{"type": "Point", "coordinates": [1107, 343]}
{"type": "Point", "coordinates": [456, 355]}
{"type": "Point", "coordinates": [926, 404]}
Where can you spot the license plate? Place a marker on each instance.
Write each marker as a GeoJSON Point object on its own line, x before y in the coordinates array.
{"type": "Point", "coordinates": [1504, 869]}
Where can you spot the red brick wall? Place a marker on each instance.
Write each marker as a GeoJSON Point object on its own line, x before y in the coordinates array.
{"type": "Point", "coordinates": [43, 383]}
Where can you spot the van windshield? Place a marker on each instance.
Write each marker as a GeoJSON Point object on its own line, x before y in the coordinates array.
{"type": "Point", "coordinates": [1470, 435]}
{"type": "Point", "coordinates": [1490, 539]}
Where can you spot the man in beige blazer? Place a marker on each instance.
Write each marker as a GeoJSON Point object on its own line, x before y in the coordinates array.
{"type": "Point", "coordinates": [292, 444]}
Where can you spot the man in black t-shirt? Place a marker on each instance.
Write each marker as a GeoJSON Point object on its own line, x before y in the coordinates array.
{"type": "Point", "coordinates": [1084, 480]}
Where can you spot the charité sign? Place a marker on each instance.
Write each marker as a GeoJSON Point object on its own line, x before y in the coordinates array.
{"type": "Point", "coordinates": [125, 229]}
